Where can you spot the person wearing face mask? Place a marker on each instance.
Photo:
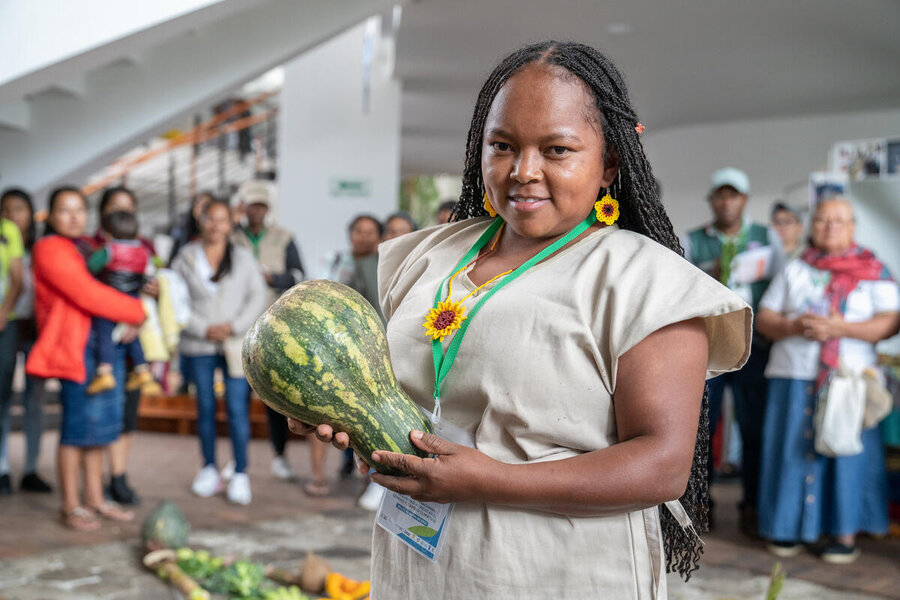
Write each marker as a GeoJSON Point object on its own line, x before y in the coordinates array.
{"type": "Point", "coordinates": [825, 311]}
{"type": "Point", "coordinates": [719, 248]}
{"type": "Point", "coordinates": [122, 199]}
{"type": "Point", "coordinates": [66, 297]}
{"type": "Point", "coordinates": [228, 293]}
{"type": "Point", "coordinates": [276, 252]}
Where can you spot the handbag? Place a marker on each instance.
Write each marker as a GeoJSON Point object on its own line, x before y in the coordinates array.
{"type": "Point", "coordinates": [878, 399]}
{"type": "Point", "coordinates": [231, 348]}
{"type": "Point", "coordinates": [839, 415]}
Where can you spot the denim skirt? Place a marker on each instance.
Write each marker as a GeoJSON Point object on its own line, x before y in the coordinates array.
{"type": "Point", "coordinates": [804, 495]}
{"type": "Point", "coordinates": [92, 420]}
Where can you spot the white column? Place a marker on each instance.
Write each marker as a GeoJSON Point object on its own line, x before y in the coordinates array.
{"type": "Point", "coordinates": [337, 159]}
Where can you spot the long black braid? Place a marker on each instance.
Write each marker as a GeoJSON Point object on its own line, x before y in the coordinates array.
{"type": "Point", "coordinates": [641, 211]}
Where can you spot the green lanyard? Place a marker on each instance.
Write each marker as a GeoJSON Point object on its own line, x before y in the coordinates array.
{"type": "Point", "coordinates": [443, 362]}
{"type": "Point", "coordinates": [731, 247]}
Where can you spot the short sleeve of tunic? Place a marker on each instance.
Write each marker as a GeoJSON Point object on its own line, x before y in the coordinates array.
{"type": "Point", "coordinates": [534, 380]}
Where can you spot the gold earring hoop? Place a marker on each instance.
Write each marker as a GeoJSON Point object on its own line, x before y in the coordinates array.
{"type": "Point", "coordinates": [487, 206]}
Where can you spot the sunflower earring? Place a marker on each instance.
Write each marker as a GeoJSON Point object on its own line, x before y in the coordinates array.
{"type": "Point", "coordinates": [607, 209]}
{"type": "Point", "coordinates": [487, 206]}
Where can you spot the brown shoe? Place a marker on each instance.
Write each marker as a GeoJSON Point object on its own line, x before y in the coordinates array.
{"type": "Point", "coordinates": [137, 380]}
{"type": "Point", "coordinates": [79, 519]}
{"type": "Point", "coordinates": [101, 383]}
{"type": "Point", "coordinates": [113, 511]}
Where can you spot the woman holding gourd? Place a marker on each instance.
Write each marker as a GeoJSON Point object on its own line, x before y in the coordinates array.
{"type": "Point", "coordinates": [581, 380]}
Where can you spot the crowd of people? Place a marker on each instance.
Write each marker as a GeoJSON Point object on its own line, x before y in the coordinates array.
{"type": "Point", "coordinates": [588, 226]}
{"type": "Point", "coordinates": [821, 302]}
{"type": "Point", "coordinates": [86, 292]}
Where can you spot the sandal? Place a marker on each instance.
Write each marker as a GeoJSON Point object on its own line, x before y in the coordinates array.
{"type": "Point", "coordinates": [316, 488]}
{"type": "Point", "coordinates": [113, 511]}
{"type": "Point", "coordinates": [79, 519]}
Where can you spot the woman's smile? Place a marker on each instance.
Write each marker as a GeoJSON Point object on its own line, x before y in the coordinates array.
{"type": "Point", "coordinates": [527, 204]}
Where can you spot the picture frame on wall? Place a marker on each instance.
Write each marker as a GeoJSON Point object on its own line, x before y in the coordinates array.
{"type": "Point", "coordinates": [892, 162]}
{"type": "Point", "coordinates": [860, 160]}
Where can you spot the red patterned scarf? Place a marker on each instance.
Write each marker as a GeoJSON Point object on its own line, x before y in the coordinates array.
{"type": "Point", "coordinates": [847, 270]}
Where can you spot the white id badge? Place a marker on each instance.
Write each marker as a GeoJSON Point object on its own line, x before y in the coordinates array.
{"type": "Point", "coordinates": [421, 525]}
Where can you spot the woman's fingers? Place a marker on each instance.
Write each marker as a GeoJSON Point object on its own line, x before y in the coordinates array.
{"type": "Point", "coordinates": [406, 463]}
{"type": "Point", "coordinates": [407, 486]}
{"type": "Point", "coordinates": [325, 433]}
{"type": "Point", "coordinates": [299, 427]}
{"type": "Point", "coordinates": [341, 440]}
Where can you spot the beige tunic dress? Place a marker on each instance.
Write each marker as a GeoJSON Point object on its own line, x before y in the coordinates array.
{"type": "Point", "coordinates": [534, 380]}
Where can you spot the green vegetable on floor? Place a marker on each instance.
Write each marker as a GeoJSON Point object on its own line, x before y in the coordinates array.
{"type": "Point", "coordinates": [241, 580]}
{"type": "Point", "coordinates": [165, 527]}
{"type": "Point", "coordinates": [285, 593]}
{"type": "Point", "coordinates": [198, 564]}
{"type": "Point", "coordinates": [319, 355]}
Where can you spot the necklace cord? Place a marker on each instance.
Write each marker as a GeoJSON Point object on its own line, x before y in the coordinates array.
{"type": "Point", "coordinates": [444, 361]}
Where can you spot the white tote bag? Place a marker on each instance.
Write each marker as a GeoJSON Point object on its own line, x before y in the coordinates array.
{"type": "Point", "coordinates": [839, 415]}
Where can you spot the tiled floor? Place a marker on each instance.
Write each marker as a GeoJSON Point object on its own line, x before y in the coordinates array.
{"type": "Point", "coordinates": [162, 467]}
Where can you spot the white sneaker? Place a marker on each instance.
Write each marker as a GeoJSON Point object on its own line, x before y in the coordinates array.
{"type": "Point", "coordinates": [371, 498]}
{"type": "Point", "coordinates": [281, 468]}
{"type": "Point", "coordinates": [207, 482]}
{"type": "Point", "coordinates": [239, 489]}
{"type": "Point", "coordinates": [228, 471]}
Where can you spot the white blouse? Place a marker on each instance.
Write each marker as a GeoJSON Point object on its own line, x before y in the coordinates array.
{"type": "Point", "coordinates": [799, 289]}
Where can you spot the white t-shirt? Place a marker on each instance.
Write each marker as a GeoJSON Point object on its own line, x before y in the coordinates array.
{"type": "Point", "coordinates": [799, 289]}
{"type": "Point", "coordinates": [205, 271]}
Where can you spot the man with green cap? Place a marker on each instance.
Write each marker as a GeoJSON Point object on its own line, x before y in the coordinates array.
{"type": "Point", "coordinates": [724, 248]}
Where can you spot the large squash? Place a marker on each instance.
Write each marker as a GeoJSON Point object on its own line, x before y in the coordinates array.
{"type": "Point", "coordinates": [319, 355]}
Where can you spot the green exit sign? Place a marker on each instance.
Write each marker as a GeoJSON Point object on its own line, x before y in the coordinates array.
{"type": "Point", "coordinates": [350, 187]}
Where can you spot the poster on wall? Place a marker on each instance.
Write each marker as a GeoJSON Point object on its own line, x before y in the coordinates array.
{"type": "Point", "coordinates": [824, 185]}
{"type": "Point", "coordinates": [860, 160]}
{"type": "Point", "coordinates": [893, 158]}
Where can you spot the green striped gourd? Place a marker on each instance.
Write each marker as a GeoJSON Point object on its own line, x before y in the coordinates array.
{"type": "Point", "coordinates": [319, 355]}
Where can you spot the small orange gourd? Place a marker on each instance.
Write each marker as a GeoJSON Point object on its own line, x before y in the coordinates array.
{"type": "Point", "coordinates": [339, 587]}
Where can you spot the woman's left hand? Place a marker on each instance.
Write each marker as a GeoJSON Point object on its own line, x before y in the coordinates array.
{"type": "Point", "coordinates": [456, 474]}
{"type": "Point", "coordinates": [822, 329]}
{"type": "Point", "coordinates": [131, 334]}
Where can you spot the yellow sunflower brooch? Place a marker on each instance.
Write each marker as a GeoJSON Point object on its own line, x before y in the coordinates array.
{"type": "Point", "coordinates": [607, 209]}
{"type": "Point", "coordinates": [444, 320]}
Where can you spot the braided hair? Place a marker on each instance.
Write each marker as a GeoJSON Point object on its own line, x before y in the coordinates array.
{"type": "Point", "coordinates": [641, 211]}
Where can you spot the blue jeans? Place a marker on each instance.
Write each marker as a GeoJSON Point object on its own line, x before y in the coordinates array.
{"type": "Point", "coordinates": [750, 389]}
{"type": "Point", "coordinates": [8, 339]}
{"type": "Point", "coordinates": [237, 406]}
{"type": "Point", "coordinates": [106, 347]}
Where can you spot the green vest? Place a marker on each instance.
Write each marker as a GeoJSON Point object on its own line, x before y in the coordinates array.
{"type": "Point", "coordinates": [706, 246]}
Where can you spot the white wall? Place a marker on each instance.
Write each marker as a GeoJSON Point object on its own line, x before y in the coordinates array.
{"type": "Point", "coordinates": [125, 103]}
{"type": "Point", "coordinates": [777, 154]}
{"type": "Point", "coordinates": [323, 134]}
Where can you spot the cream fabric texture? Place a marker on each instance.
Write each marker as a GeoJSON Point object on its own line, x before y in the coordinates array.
{"type": "Point", "coordinates": [534, 381]}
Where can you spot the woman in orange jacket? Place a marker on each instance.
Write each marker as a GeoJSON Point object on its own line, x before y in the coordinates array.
{"type": "Point", "coordinates": [66, 297]}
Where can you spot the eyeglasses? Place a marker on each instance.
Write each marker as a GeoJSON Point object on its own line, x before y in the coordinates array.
{"type": "Point", "coordinates": [831, 222]}
{"type": "Point", "coordinates": [785, 222]}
